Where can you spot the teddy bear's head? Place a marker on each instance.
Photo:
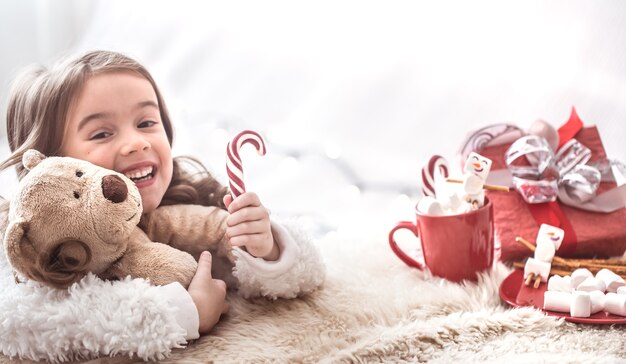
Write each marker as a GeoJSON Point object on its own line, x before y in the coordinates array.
{"type": "Point", "coordinates": [69, 217]}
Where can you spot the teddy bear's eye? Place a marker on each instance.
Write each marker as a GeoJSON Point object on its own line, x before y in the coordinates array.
{"type": "Point", "coordinates": [79, 174]}
{"type": "Point", "coordinates": [76, 194]}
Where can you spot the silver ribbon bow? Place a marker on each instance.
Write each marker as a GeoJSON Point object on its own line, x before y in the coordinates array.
{"type": "Point", "coordinates": [564, 174]}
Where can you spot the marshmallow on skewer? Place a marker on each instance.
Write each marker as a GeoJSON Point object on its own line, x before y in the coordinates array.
{"type": "Point", "coordinates": [557, 301]}
{"type": "Point", "coordinates": [552, 234]}
{"type": "Point", "coordinates": [558, 283]}
{"type": "Point", "coordinates": [611, 280]}
{"type": "Point", "coordinates": [549, 240]}
{"type": "Point", "coordinates": [597, 301]}
{"type": "Point", "coordinates": [430, 206]}
{"type": "Point", "coordinates": [621, 290]}
{"type": "Point", "coordinates": [579, 275]}
{"type": "Point", "coordinates": [591, 284]}
{"type": "Point", "coordinates": [615, 303]}
{"type": "Point", "coordinates": [537, 268]}
{"type": "Point", "coordinates": [473, 186]}
{"type": "Point", "coordinates": [476, 168]}
{"type": "Point", "coordinates": [545, 251]}
{"type": "Point", "coordinates": [580, 305]}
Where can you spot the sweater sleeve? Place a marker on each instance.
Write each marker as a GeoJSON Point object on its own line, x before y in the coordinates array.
{"type": "Point", "coordinates": [92, 318]}
{"type": "Point", "coordinates": [298, 270]}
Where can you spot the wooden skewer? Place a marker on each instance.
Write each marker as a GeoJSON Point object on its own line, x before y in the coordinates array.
{"type": "Point", "coordinates": [560, 271]}
{"type": "Point", "coordinates": [487, 187]}
{"type": "Point", "coordinates": [563, 266]}
{"type": "Point", "coordinates": [531, 246]}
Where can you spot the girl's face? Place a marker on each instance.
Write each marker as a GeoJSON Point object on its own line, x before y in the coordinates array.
{"type": "Point", "coordinates": [115, 123]}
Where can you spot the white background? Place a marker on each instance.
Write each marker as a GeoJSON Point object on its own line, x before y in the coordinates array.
{"type": "Point", "coordinates": [352, 97]}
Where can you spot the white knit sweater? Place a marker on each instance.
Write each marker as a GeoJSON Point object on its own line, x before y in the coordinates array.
{"type": "Point", "coordinates": [132, 317]}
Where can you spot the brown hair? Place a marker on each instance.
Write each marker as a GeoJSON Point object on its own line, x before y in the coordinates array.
{"type": "Point", "coordinates": [39, 104]}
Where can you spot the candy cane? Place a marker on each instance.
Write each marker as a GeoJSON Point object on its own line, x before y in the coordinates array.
{"type": "Point", "coordinates": [436, 164]}
{"type": "Point", "coordinates": [234, 167]}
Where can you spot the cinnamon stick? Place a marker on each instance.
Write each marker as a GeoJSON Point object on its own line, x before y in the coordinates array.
{"type": "Point", "coordinates": [562, 266]}
{"type": "Point", "coordinates": [486, 187]}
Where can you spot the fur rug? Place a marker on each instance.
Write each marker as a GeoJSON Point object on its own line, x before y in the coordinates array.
{"type": "Point", "coordinates": [373, 308]}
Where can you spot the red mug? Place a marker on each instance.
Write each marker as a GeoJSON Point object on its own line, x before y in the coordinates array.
{"type": "Point", "coordinates": [455, 247]}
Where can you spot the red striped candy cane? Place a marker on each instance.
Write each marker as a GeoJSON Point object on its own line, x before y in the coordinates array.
{"type": "Point", "coordinates": [234, 167]}
{"type": "Point", "coordinates": [436, 164]}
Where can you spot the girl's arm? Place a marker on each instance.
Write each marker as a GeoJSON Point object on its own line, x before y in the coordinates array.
{"type": "Point", "coordinates": [93, 318]}
{"type": "Point", "coordinates": [298, 270]}
{"type": "Point", "coordinates": [194, 228]}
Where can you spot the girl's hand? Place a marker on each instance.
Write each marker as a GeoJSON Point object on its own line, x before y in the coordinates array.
{"type": "Point", "coordinates": [208, 294]}
{"type": "Point", "coordinates": [249, 226]}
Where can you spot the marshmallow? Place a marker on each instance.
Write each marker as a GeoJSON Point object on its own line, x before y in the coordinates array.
{"type": "Point", "coordinates": [473, 187]}
{"type": "Point", "coordinates": [477, 165]}
{"type": "Point", "coordinates": [561, 284]}
{"type": "Point", "coordinates": [579, 275]}
{"type": "Point", "coordinates": [611, 280]}
{"type": "Point", "coordinates": [538, 268]}
{"type": "Point", "coordinates": [615, 303]}
{"type": "Point", "coordinates": [621, 290]}
{"type": "Point", "coordinates": [472, 184]}
{"type": "Point", "coordinates": [544, 251]}
{"type": "Point", "coordinates": [597, 301]}
{"type": "Point", "coordinates": [580, 304]}
{"type": "Point", "coordinates": [550, 234]}
{"type": "Point", "coordinates": [451, 202]}
{"type": "Point", "coordinates": [591, 284]}
{"type": "Point", "coordinates": [557, 301]}
{"type": "Point", "coordinates": [465, 208]}
{"type": "Point", "coordinates": [430, 206]}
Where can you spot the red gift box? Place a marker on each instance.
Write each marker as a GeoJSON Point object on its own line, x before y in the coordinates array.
{"type": "Point", "coordinates": [587, 234]}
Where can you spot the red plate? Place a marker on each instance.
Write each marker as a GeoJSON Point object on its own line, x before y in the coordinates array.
{"type": "Point", "coordinates": [515, 293]}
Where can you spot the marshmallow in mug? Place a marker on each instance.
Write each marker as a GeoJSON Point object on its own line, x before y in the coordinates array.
{"type": "Point", "coordinates": [447, 202]}
{"type": "Point", "coordinates": [476, 170]}
{"type": "Point", "coordinates": [430, 206]}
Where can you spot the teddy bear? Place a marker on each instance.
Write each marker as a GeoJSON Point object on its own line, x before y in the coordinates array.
{"type": "Point", "coordinates": [69, 217]}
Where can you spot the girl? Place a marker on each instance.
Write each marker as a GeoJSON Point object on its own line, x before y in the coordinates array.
{"type": "Point", "coordinates": [105, 107]}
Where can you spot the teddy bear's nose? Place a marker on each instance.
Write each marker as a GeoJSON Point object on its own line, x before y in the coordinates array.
{"type": "Point", "coordinates": [114, 189]}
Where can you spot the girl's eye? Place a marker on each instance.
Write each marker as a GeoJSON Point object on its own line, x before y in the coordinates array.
{"type": "Point", "coordinates": [100, 135]}
{"type": "Point", "coordinates": [146, 124]}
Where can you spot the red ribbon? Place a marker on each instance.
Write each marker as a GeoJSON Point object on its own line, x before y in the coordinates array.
{"type": "Point", "coordinates": [551, 213]}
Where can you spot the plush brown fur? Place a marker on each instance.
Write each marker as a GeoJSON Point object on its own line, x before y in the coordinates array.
{"type": "Point", "coordinates": [70, 217]}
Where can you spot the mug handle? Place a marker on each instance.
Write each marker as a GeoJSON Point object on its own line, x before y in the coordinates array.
{"type": "Point", "coordinates": [396, 249]}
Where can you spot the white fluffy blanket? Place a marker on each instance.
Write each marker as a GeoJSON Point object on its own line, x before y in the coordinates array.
{"type": "Point", "coordinates": [372, 308]}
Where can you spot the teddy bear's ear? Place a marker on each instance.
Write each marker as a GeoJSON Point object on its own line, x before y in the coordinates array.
{"type": "Point", "coordinates": [64, 264]}
{"type": "Point", "coordinates": [32, 158]}
{"type": "Point", "coordinates": [18, 248]}
{"type": "Point", "coordinates": [58, 267]}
